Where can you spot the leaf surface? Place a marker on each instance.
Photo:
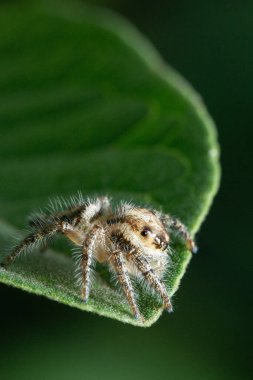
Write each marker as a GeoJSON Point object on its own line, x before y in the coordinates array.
{"type": "Point", "coordinates": [87, 104]}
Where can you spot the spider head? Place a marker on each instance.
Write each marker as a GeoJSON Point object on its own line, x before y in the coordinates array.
{"type": "Point", "coordinates": [153, 238]}
{"type": "Point", "coordinates": [149, 229]}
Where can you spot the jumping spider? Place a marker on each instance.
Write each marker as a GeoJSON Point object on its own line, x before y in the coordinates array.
{"type": "Point", "coordinates": [132, 241]}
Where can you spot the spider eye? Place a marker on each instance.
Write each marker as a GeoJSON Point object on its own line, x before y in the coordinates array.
{"type": "Point", "coordinates": [145, 232]}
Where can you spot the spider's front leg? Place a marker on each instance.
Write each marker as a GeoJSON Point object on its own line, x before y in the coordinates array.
{"type": "Point", "coordinates": [125, 281]}
{"type": "Point", "coordinates": [137, 258]}
{"type": "Point", "coordinates": [176, 224]}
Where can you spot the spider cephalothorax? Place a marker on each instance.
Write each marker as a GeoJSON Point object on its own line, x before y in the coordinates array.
{"type": "Point", "coordinates": [132, 241]}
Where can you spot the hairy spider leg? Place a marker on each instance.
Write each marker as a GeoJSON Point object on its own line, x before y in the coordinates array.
{"type": "Point", "coordinates": [176, 224]}
{"type": "Point", "coordinates": [87, 251]}
{"type": "Point", "coordinates": [124, 279]}
{"type": "Point", "coordinates": [46, 226]}
{"type": "Point", "coordinates": [31, 240]}
{"type": "Point", "coordinates": [148, 273]}
{"type": "Point", "coordinates": [71, 216]}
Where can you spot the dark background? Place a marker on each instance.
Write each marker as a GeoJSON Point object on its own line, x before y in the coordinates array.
{"type": "Point", "coordinates": [209, 336]}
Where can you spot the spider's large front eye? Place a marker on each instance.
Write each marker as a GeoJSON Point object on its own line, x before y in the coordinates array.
{"type": "Point", "coordinates": [145, 232]}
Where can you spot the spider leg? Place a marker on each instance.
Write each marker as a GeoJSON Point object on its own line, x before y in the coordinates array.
{"type": "Point", "coordinates": [36, 237]}
{"type": "Point", "coordinates": [86, 260]}
{"type": "Point", "coordinates": [86, 211]}
{"type": "Point", "coordinates": [151, 277]}
{"type": "Point", "coordinates": [176, 224]}
{"type": "Point", "coordinates": [124, 279]}
{"type": "Point", "coordinates": [71, 216]}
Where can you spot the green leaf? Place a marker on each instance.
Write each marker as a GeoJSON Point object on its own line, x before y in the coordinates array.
{"type": "Point", "coordinates": [87, 104]}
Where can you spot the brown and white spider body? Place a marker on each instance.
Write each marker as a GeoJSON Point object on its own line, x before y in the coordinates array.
{"type": "Point", "coordinates": [132, 241]}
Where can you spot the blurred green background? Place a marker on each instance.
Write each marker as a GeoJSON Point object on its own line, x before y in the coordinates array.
{"type": "Point", "coordinates": [209, 336]}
